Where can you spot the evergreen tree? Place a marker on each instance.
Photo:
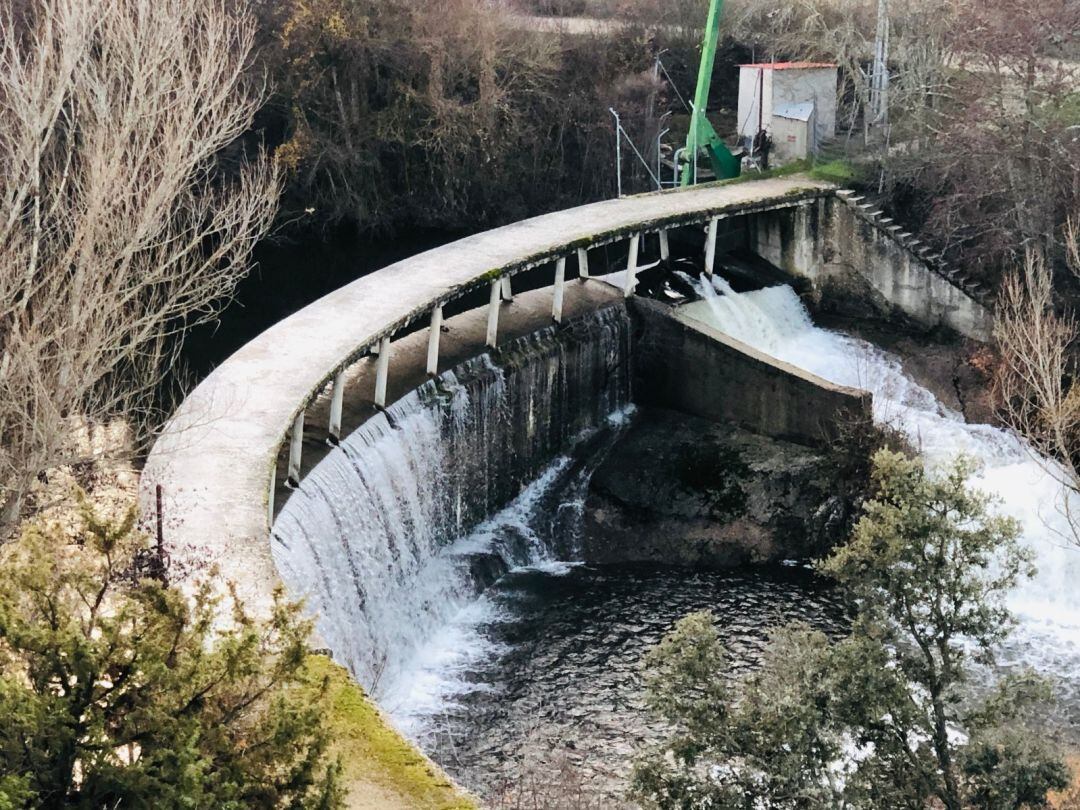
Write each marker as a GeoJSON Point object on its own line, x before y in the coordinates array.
{"type": "Point", "coordinates": [884, 717]}
{"type": "Point", "coordinates": [118, 690]}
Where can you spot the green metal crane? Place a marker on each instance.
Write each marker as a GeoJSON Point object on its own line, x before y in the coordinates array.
{"type": "Point", "coordinates": [701, 135]}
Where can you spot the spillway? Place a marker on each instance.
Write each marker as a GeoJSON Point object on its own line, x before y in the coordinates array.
{"type": "Point", "coordinates": [386, 538]}
{"type": "Point", "coordinates": [775, 321]}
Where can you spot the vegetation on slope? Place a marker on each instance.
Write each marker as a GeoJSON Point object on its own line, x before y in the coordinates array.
{"type": "Point", "coordinates": [885, 716]}
{"type": "Point", "coordinates": [118, 689]}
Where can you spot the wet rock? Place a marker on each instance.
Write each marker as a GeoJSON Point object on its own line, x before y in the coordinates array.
{"type": "Point", "coordinates": [681, 490]}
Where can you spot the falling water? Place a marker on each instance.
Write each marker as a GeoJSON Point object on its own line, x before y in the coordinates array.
{"type": "Point", "coordinates": [392, 534]}
{"type": "Point", "coordinates": [775, 321]}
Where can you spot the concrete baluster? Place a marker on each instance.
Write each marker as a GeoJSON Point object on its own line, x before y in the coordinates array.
{"type": "Point", "coordinates": [336, 396]}
{"type": "Point", "coordinates": [382, 372]}
{"type": "Point", "coordinates": [270, 495]}
{"type": "Point", "coordinates": [631, 266]}
{"type": "Point", "coordinates": [507, 291]}
{"type": "Point", "coordinates": [560, 281]}
{"type": "Point", "coordinates": [493, 314]}
{"type": "Point", "coordinates": [710, 247]}
{"type": "Point", "coordinates": [583, 262]}
{"type": "Point", "coordinates": [296, 448]}
{"type": "Point", "coordinates": [665, 251]}
{"type": "Point", "coordinates": [433, 342]}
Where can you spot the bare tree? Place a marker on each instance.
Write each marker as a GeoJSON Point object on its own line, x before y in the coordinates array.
{"type": "Point", "coordinates": [1037, 382]}
{"type": "Point", "coordinates": [120, 227]}
{"type": "Point", "coordinates": [998, 170]}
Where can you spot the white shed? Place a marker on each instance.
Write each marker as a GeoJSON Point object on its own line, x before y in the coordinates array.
{"type": "Point", "coordinates": [768, 89]}
{"type": "Point", "coordinates": [793, 132]}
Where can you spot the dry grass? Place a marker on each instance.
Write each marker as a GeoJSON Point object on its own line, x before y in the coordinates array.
{"type": "Point", "coordinates": [1068, 799]}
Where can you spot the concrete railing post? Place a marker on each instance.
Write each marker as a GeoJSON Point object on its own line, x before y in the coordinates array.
{"type": "Point", "coordinates": [296, 448]}
{"type": "Point", "coordinates": [560, 282]}
{"type": "Point", "coordinates": [710, 247]}
{"type": "Point", "coordinates": [337, 395]}
{"type": "Point", "coordinates": [270, 495]}
{"type": "Point", "coordinates": [507, 290]}
{"type": "Point", "coordinates": [433, 342]}
{"type": "Point", "coordinates": [665, 251]}
{"type": "Point", "coordinates": [631, 266]}
{"type": "Point", "coordinates": [382, 372]}
{"type": "Point", "coordinates": [583, 262]}
{"type": "Point", "coordinates": [493, 314]}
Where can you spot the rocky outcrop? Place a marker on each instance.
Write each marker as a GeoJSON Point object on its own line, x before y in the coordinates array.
{"type": "Point", "coordinates": [677, 489]}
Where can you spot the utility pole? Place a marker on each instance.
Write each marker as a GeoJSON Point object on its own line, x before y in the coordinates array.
{"type": "Point", "coordinates": [879, 78]}
{"type": "Point", "coordinates": [618, 152]}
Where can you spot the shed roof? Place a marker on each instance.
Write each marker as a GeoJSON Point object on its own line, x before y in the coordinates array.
{"type": "Point", "coordinates": [796, 112]}
{"type": "Point", "coordinates": [791, 65]}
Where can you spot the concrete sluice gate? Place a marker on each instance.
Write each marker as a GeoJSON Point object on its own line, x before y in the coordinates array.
{"type": "Point", "coordinates": [369, 536]}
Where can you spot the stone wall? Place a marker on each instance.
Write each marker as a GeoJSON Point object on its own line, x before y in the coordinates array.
{"type": "Point", "coordinates": [793, 239]}
{"type": "Point", "coordinates": [686, 366]}
{"type": "Point", "coordinates": [902, 272]}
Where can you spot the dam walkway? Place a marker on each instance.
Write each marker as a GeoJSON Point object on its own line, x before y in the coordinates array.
{"type": "Point", "coordinates": [258, 423]}
{"type": "Point", "coordinates": [217, 458]}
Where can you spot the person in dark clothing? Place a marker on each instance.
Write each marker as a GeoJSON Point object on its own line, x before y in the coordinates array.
{"type": "Point", "coordinates": [762, 145]}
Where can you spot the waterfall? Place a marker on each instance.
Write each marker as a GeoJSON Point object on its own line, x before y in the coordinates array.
{"type": "Point", "coordinates": [775, 321]}
{"type": "Point", "coordinates": [751, 318]}
{"type": "Point", "coordinates": [392, 534]}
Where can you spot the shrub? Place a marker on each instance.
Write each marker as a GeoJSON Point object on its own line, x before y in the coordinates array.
{"type": "Point", "coordinates": [881, 718]}
{"type": "Point", "coordinates": [117, 690]}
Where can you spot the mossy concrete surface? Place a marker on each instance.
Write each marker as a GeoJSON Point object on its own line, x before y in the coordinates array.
{"type": "Point", "coordinates": [381, 770]}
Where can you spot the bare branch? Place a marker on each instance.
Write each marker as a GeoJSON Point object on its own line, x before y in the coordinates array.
{"type": "Point", "coordinates": [119, 226]}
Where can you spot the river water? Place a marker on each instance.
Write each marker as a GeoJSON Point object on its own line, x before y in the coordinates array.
{"type": "Point", "coordinates": [507, 660]}
{"type": "Point", "coordinates": [559, 689]}
{"type": "Point", "coordinates": [536, 686]}
{"type": "Point", "coordinates": [552, 682]}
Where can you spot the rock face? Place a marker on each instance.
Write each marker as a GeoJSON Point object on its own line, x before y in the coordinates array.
{"type": "Point", "coordinates": [677, 489]}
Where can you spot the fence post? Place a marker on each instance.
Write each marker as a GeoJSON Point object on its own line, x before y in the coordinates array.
{"type": "Point", "coordinates": [296, 448]}
{"type": "Point", "coordinates": [631, 266]}
{"type": "Point", "coordinates": [583, 262]}
{"type": "Point", "coordinates": [560, 280]}
{"type": "Point", "coordinates": [493, 314]}
{"type": "Point", "coordinates": [382, 372]}
{"type": "Point", "coordinates": [336, 396]}
{"type": "Point", "coordinates": [433, 342]}
{"type": "Point", "coordinates": [710, 247]}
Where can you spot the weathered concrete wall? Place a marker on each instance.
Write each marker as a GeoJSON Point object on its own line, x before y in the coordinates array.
{"type": "Point", "coordinates": [216, 458]}
{"type": "Point", "coordinates": [858, 261]}
{"type": "Point", "coordinates": [687, 366]}
{"type": "Point", "coordinates": [861, 241]}
{"type": "Point", "coordinates": [793, 239]}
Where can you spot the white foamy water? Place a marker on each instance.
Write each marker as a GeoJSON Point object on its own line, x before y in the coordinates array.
{"type": "Point", "coordinates": [436, 675]}
{"type": "Point", "coordinates": [775, 321]}
{"type": "Point", "coordinates": [392, 537]}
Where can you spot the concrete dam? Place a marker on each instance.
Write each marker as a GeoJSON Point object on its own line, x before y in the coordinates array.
{"type": "Point", "coordinates": [425, 450]}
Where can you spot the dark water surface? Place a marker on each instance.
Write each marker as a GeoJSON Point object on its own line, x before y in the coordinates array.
{"type": "Point", "coordinates": [562, 693]}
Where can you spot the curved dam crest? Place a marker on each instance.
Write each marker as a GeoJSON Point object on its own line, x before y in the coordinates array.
{"type": "Point", "coordinates": [216, 457]}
